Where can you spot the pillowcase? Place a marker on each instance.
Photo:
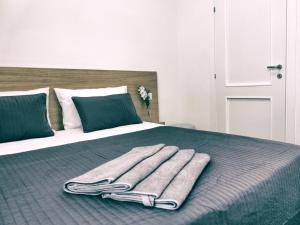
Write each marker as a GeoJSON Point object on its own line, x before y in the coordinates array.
{"type": "Point", "coordinates": [97, 113]}
{"type": "Point", "coordinates": [30, 92]}
{"type": "Point", "coordinates": [71, 118]}
{"type": "Point", "coordinates": [23, 117]}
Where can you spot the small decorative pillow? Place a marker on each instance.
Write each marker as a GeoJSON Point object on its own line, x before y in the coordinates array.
{"type": "Point", "coordinates": [97, 113]}
{"type": "Point", "coordinates": [30, 92]}
{"type": "Point", "coordinates": [71, 119]}
{"type": "Point", "coordinates": [23, 117]}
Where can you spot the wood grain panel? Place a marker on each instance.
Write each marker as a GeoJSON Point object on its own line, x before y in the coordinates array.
{"type": "Point", "coordinates": [20, 79]}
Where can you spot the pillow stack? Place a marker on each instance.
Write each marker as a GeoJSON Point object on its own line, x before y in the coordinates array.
{"type": "Point", "coordinates": [103, 112]}
{"type": "Point", "coordinates": [96, 109]}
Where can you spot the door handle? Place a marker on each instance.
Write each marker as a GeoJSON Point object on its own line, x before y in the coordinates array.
{"type": "Point", "coordinates": [278, 67]}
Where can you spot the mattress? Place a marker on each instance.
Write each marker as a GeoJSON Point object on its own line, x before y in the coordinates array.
{"type": "Point", "coordinates": [248, 181]}
{"type": "Point", "coordinates": [69, 136]}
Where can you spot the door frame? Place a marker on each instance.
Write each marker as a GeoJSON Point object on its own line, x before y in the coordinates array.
{"type": "Point", "coordinates": [292, 56]}
{"type": "Point", "coordinates": [293, 12]}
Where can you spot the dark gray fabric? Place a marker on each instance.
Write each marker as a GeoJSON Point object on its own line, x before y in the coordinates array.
{"type": "Point", "coordinates": [248, 181]}
{"type": "Point", "coordinates": [103, 112]}
{"type": "Point", "coordinates": [23, 117]}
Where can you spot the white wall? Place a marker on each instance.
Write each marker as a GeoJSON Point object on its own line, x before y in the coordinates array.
{"type": "Point", "coordinates": [96, 34]}
{"type": "Point", "coordinates": [195, 40]}
{"type": "Point", "coordinates": [170, 37]}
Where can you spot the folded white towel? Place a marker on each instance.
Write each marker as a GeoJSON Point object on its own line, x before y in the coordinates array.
{"type": "Point", "coordinates": [128, 180]}
{"type": "Point", "coordinates": [99, 180]}
{"type": "Point", "coordinates": [178, 190]}
{"type": "Point", "coordinates": [169, 185]}
{"type": "Point", "coordinates": [155, 176]}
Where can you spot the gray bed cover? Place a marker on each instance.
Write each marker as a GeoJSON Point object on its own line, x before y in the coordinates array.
{"type": "Point", "coordinates": [248, 181]}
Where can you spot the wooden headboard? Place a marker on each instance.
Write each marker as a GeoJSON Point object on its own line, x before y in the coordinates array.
{"type": "Point", "coordinates": [18, 78]}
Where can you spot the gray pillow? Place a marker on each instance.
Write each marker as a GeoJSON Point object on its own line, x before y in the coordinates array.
{"type": "Point", "coordinates": [23, 117]}
{"type": "Point", "coordinates": [103, 112]}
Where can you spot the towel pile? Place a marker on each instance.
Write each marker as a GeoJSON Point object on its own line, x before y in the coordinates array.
{"type": "Point", "coordinates": [155, 176]}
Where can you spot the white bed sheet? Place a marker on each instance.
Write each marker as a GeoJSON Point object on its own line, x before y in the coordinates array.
{"type": "Point", "coordinates": [69, 136]}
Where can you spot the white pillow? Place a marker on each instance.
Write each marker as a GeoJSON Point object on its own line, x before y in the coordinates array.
{"type": "Point", "coordinates": [31, 92]}
{"type": "Point", "coordinates": [71, 119]}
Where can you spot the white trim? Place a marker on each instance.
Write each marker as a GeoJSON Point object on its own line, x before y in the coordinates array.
{"type": "Point", "coordinates": [213, 90]}
{"type": "Point", "coordinates": [291, 70]}
{"type": "Point", "coordinates": [226, 41]}
{"type": "Point", "coordinates": [248, 84]}
{"type": "Point", "coordinates": [227, 130]}
{"type": "Point", "coordinates": [297, 91]}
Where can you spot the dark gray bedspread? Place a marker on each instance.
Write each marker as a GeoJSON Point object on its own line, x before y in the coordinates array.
{"type": "Point", "coordinates": [248, 181]}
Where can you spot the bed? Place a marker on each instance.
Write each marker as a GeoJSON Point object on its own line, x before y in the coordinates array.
{"type": "Point", "coordinates": [248, 181]}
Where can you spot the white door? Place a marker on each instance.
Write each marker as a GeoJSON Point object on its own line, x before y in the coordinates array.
{"type": "Point", "coordinates": [250, 57]}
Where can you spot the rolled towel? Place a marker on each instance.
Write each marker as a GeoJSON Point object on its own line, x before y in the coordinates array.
{"type": "Point", "coordinates": [177, 191]}
{"type": "Point", "coordinates": [98, 180]}
{"type": "Point", "coordinates": [153, 186]}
